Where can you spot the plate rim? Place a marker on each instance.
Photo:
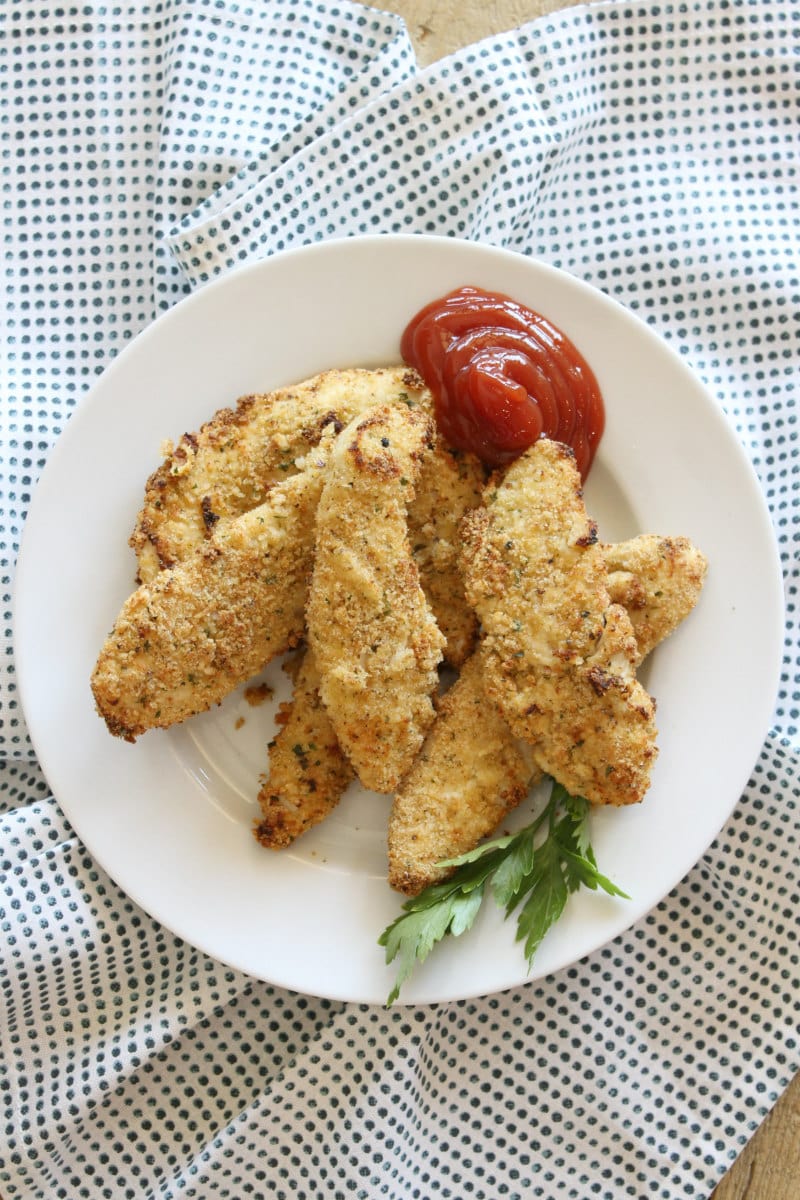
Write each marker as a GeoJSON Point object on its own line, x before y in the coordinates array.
{"type": "Point", "coordinates": [159, 327]}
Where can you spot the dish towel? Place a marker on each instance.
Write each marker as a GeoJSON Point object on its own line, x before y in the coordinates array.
{"type": "Point", "coordinates": [650, 148]}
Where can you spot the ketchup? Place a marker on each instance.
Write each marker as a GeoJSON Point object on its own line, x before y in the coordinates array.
{"type": "Point", "coordinates": [502, 376]}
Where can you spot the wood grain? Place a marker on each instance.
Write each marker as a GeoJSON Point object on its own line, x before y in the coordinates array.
{"type": "Point", "coordinates": [769, 1166]}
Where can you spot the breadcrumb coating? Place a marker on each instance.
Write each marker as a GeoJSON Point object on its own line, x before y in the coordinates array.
{"type": "Point", "coordinates": [560, 657]}
{"type": "Point", "coordinates": [658, 580]}
{"type": "Point", "coordinates": [370, 626]}
{"type": "Point", "coordinates": [230, 464]}
{"type": "Point", "coordinates": [187, 639]}
{"type": "Point", "coordinates": [470, 773]}
{"type": "Point", "coordinates": [308, 771]}
{"type": "Point", "coordinates": [450, 484]}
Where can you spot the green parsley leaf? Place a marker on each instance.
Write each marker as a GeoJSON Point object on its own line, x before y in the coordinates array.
{"type": "Point", "coordinates": [547, 896]}
{"type": "Point", "coordinates": [412, 936]}
{"type": "Point", "coordinates": [578, 810]}
{"type": "Point", "coordinates": [536, 868]}
{"type": "Point", "coordinates": [512, 871]}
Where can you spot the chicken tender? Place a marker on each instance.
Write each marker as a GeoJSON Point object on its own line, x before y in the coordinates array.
{"type": "Point", "coordinates": [658, 580]}
{"type": "Point", "coordinates": [450, 484]}
{"type": "Point", "coordinates": [470, 773]}
{"type": "Point", "coordinates": [231, 463]}
{"type": "Point", "coordinates": [560, 657]}
{"type": "Point", "coordinates": [185, 641]}
{"type": "Point", "coordinates": [370, 627]}
{"type": "Point", "coordinates": [308, 772]}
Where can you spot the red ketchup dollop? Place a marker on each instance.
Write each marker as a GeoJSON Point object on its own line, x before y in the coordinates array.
{"type": "Point", "coordinates": [502, 376]}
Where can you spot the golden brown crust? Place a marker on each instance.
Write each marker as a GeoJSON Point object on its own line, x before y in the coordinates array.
{"type": "Point", "coordinates": [560, 658]}
{"type": "Point", "coordinates": [230, 464]}
{"type": "Point", "coordinates": [370, 627]}
{"type": "Point", "coordinates": [185, 641]}
{"type": "Point", "coordinates": [658, 580]}
{"type": "Point", "coordinates": [308, 772]}
{"type": "Point", "coordinates": [470, 773]}
{"type": "Point", "coordinates": [450, 484]}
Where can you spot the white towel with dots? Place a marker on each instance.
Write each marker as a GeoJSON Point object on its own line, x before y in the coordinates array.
{"type": "Point", "coordinates": [650, 148]}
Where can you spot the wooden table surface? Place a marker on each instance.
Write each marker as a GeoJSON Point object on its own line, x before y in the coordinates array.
{"type": "Point", "coordinates": [769, 1167]}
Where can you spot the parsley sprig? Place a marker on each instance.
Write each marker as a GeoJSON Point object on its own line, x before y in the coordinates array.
{"type": "Point", "coordinates": [536, 868]}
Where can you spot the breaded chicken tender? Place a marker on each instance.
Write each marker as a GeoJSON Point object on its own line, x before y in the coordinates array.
{"type": "Point", "coordinates": [185, 641]}
{"type": "Point", "coordinates": [658, 581]}
{"type": "Point", "coordinates": [470, 773]}
{"type": "Point", "coordinates": [374, 638]}
{"type": "Point", "coordinates": [450, 484]}
{"type": "Point", "coordinates": [560, 657]}
{"type": "Point", "coordinates": [230, 464]}
{"type": "Point", "coordinates": [308, 772]}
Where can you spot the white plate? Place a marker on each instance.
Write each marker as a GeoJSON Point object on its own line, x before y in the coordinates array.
{"type": "Point", "coordinates": [169, 817]}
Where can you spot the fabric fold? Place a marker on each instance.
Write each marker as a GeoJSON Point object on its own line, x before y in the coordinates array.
{"type": "Point", "coordinates": [151, 107]}
{"type": "Point", "coordinates": [300, 74]}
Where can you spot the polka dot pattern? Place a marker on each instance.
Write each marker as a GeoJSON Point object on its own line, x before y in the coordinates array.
{"type": "Point", "coordinates": [645, 147]}
{"type": "Point", "coordinates": [117, 122]}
